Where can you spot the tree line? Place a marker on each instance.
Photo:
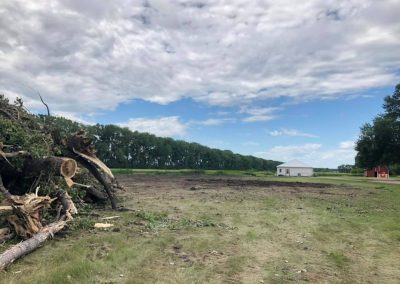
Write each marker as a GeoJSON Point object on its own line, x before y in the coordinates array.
{"type": "Point", "coordinates": [120, 147]}
{"type": "Point", "coordinates": [379, 141]}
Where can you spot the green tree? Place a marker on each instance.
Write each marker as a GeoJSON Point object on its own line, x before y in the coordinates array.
{"type": "Point", "coordinates": [379, 142]}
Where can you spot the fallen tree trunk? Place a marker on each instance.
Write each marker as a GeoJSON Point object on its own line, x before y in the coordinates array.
{"type": "Point", "coordinates": [68, 205]}
{"type": "Point", "coordinates": [37, 240]}
{"type": "Point", "coordinates": [97, 174]}
{"type": "Point", "coordinates": [91, 192]}
{"type": "Point", "coordinates": [59, 166]}
{"type": "Point", "coordinates": [26, 247]}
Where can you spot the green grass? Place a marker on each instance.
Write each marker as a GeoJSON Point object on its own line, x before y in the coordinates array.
{"type": "Point", "coordinates": [347, 233]}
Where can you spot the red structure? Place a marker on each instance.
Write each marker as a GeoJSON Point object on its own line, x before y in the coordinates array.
{"type": "Point", "coordinates": [378, 172]}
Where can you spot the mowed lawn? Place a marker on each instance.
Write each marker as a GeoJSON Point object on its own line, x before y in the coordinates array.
{"type": "Point", "coordinates": [229, 229]}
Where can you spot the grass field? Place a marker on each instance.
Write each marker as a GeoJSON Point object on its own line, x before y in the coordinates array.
{"type": "Point", "coordinates": [209, 228]}
{"type": "Point", "coordinates": [254, 173]}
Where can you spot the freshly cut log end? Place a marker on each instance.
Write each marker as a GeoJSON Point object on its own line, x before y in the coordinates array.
{"type": "Point", "coordinates": [68, 168]}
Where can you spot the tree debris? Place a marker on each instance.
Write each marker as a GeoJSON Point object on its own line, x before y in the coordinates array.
{"type": "Point", "coordinates": [39, 164]}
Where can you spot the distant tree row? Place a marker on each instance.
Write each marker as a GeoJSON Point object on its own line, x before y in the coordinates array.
{"type": "Point", "coordinates": [122, 148]}
{"type": "Point", "coordinates": [379, 141]}
{"type": "Point", "coordinates": [345, 168]}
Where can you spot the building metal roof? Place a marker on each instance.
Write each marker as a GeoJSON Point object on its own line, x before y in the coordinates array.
{"type": "Point", "coordinates": [294, 164]}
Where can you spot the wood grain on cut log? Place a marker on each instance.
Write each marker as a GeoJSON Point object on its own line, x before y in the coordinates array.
{"type": "Point", "coordinates": [68, 167]}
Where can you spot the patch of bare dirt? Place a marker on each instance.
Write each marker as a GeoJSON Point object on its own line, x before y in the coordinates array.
{"type": "Point", "coordinates": [257, 183]}
{"type": "Point", "coordinates": [167, 188]}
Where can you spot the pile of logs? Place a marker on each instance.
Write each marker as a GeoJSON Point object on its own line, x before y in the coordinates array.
{"type": "Point", "coordinates": [38, 168]}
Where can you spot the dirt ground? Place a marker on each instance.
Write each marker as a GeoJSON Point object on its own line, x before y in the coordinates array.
{"type": "Point", "coordinates": [226, 229]}
{"type": "Point", "coordinates": [284, 230]}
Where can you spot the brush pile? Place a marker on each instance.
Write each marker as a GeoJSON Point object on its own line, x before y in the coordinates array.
{"type": "Point", "coordinates": [44, 172]}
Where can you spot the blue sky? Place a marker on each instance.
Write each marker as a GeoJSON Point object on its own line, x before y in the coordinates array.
{"type": "Point", "coordinates": [274, 79]}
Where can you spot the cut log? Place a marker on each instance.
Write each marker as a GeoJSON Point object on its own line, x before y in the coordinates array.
{"type": "Point", "coordinates": [68, 205]}
{"type": "Point", "coordinates": [91, 192]}
{"type": "Point", "coordinates": [68, 167]}
{"type": "Point", "coordinates": [59, 166]}
{"type": "Point", "coordinates": [26, 247]}
{"type": "Point", "coordinates": [32, 168]}
{"type": "Point", "coordinates": [98, 175]}
{"type": "Point", "coordinates": [80, 148]}
{"type": "Point", "coordinates": [15, 154]}
{"type": "Point", "coordinates": [97, 162]}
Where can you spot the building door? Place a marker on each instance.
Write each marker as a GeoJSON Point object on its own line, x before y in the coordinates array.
{"type": "Point", "coordinates": [287, 172]}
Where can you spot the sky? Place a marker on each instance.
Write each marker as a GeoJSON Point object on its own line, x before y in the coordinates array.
{"type": "Point", "coordinates": [275, 79]}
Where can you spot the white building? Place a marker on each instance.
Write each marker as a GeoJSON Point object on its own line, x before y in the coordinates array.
{"type": "Point", "coordinates": [294, 168]}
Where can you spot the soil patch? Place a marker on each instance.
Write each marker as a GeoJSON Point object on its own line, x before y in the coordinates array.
{"type": "Point", "coordinates": [258, 183]}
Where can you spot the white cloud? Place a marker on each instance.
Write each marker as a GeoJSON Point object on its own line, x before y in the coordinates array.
{"type": "Point", "coordinates": [313, 154]}
{"type": "Point", "coordinates": [347, 145]}
{"type": "Point", "coordinates": [291, 132]}
{"type": "Point", "coordinates": [73, 116]}
{"type": "Point", "coordinates": [164, 126]}
{"type": "Point", "coordinates": [212, 121]}
{"type": "Point", "coordinates": [86, 56]}
{"type": "Point", "coordinates": [256, 114]}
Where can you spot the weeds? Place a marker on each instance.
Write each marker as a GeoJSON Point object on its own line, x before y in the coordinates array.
{"type": "Point", "coordinates": [155, 221]}
{"type": "Point", "coordinates": [339, 259]}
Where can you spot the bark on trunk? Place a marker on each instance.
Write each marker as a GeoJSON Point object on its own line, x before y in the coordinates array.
{"type": "Point", "coordinates": [91, 192]}
{"type": "Point", "coordinates": [97, 174]}
{"type": "Point", "coordinates": [37, 240]}
{"type": "Point", "coordinates": [58, 166]}
{"type": "Point", "coordinates": [26, 247]}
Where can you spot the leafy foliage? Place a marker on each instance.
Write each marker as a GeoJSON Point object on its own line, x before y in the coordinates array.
{"type": "Point", "coordinates": [122, 148]}
{"type": "Point", "coordinates": [27, 132]}
{"type": "Point", "coordinates": [379, 142]}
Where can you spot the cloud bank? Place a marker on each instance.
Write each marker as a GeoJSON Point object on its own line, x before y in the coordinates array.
{"type": "Point", "coordinates": [313, 153]}
{"type": "Point", "coordinates": [164, 126]}
{"type": "Point", "coordinates": [88, 56]}
{"type": "Point", "coordinates": [291, 132]}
